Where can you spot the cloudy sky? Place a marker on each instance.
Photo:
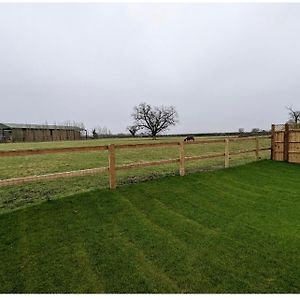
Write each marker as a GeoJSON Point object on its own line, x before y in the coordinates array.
{"type": "Point", "coordinates": [223, 66]}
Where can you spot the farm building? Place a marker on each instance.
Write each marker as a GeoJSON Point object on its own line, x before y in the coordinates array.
{"type": "Point", "coordinates": [11, 132]}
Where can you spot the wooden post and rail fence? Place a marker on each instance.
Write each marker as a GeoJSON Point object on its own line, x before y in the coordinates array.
{"type": "Point", "coordinates": [112, 167]}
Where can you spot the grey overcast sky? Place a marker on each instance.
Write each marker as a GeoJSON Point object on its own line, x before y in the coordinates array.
{"type": "Point", "coordinates": [223, 66]}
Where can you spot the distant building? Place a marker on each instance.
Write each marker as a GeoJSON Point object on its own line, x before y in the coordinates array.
{"type": "Point", "coordinates": [11, 132]}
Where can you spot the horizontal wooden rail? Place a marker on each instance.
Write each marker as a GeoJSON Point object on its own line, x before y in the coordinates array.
{"type": "Point", "coordinates": [237, 139]}
{"type": "Point", "coordinates": [294, 142]}
{"type": "Point", "coordinates": [14, 181]}
{"type": "Point", "coordinates": [265, 149]}
{"type": "Point", "coordinates": [199, 157]}
{"type": "Point", "coordinates": [51, 151]}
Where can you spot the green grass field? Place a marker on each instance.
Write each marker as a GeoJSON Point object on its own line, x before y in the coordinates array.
{"type": "Point", "coordinates": [16, 197]}
{"type": "Point", "coordinates": [229, 231]}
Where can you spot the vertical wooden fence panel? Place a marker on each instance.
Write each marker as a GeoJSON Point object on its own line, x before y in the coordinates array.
{"type": "Point", "coordinates": [286, 143]}
{"type": "Point", "coordinates": [277, 142]}
{"type": "Point", "coordinates": [112, 166]}
{"type": "Point", "coordinates": [294, 146]}
{"type": "Point", "coordinates": [272, 141]}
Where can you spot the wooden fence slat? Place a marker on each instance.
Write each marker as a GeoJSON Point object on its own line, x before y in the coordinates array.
{"type": "Point", "coordinates": [286, 143]}
{"type": "Point", "coordinates": [112, 166]}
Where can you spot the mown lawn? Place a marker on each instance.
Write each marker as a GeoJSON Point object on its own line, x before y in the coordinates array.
{"type": "Point", "coordinates": [227, 231]}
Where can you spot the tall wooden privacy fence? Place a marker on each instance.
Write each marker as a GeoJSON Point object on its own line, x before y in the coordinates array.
{"type": "Point", "coordinates": [112, 167]}
{"type": "Point", "coordinates": [285, 143]}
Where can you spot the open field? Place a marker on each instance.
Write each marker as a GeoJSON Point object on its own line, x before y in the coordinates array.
{"type": "Point", "coordinates": [228, 231]}
{"type": "Point", "coordinates": [31, 193]}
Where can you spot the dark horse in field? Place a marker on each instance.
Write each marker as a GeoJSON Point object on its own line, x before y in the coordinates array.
{"type": "Point", "coordinates": [189, 138]}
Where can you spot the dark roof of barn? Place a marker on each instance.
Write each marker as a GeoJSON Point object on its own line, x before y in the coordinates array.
{"type": "Point", "coordinates": [35, 126]}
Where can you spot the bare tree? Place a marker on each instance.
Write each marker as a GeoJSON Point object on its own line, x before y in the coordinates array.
{"type": "Point", "coordinates": [154, 120]}
{"type": "Point", "coordinates": [294, 115]}
{"type": "Point", "coordinates": [133, 129]}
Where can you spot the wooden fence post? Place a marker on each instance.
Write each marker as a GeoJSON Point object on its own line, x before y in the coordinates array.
{"type": "Point", "coordinates": [257, 148]}
{"type": "Point", "coordinates": [182, 159]}
{"type": "Point", "coordinates": [226, 153]}
{"type": "Point", "coordinates": [286, 143]}
{"type": "Point", "coordinates": [272, 142]}
{"type": "Point", "coordinates": [112, 166]}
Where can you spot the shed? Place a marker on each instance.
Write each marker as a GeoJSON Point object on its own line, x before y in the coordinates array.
{"type": "Point", "coordinates": [12, 132]}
